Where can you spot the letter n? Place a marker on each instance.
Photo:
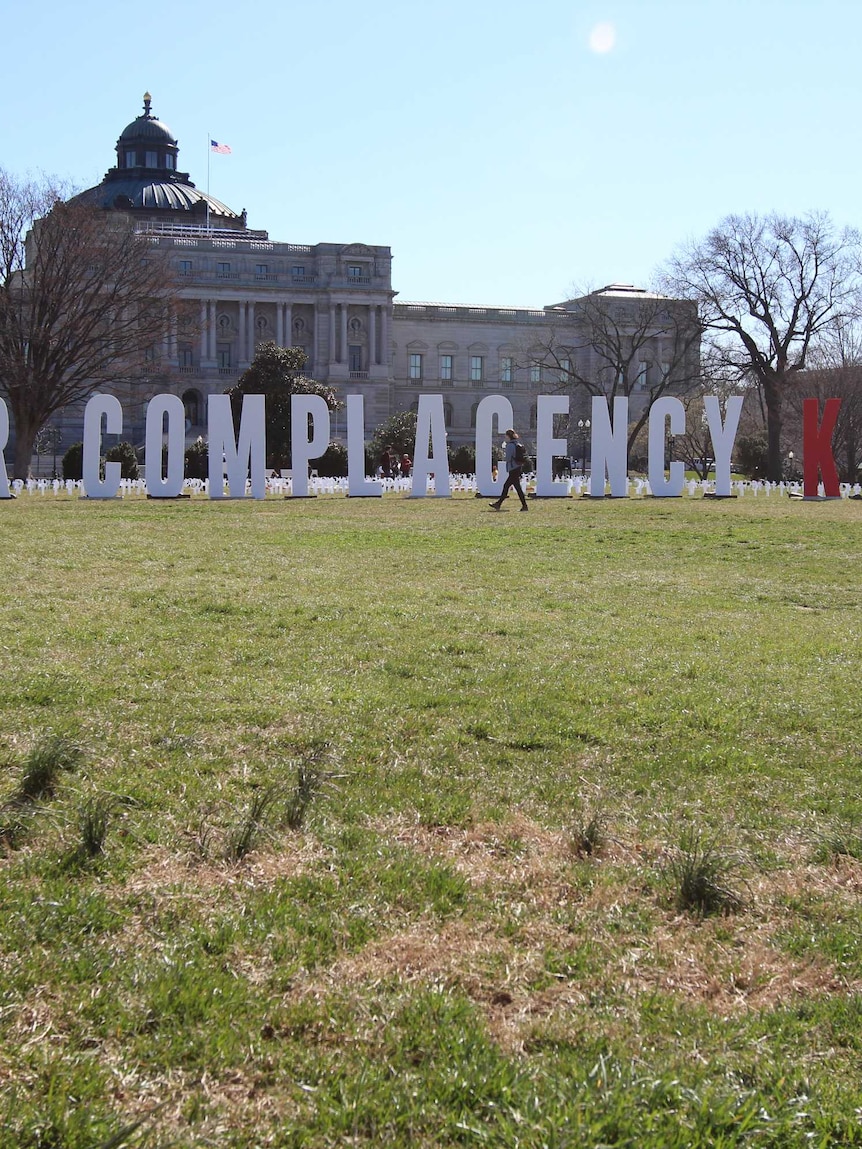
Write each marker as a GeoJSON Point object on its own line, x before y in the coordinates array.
{"type": "Point", "coordinates": [817, 455]}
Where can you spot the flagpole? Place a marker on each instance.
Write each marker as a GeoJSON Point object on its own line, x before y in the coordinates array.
{"type": "Point", "coordinates": [209, 161]}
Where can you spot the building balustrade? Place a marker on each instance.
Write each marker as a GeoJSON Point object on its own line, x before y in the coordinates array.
{"type": "Point", "coordinates": [199, 234]}
{"type": "Point", "coordinates": [440, 311]}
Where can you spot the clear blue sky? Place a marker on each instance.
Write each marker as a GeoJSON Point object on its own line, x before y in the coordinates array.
{"type": "Point", "coordinates": [501, 154]}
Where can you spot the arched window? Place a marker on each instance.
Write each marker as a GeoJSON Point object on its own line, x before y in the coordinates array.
{"type": "Point", "coordinates": [193, 404]}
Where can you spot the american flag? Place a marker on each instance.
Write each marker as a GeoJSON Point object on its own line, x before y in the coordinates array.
{"type": "Point", "coordinates": [222, 149]}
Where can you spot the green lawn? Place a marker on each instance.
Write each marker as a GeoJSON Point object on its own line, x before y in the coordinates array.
{"type": "Point", "coordinates": [394, 800]}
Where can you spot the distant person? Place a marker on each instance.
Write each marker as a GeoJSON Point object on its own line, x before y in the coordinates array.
{"type": "Point", "coordinates": [406, 465]}
{"type": "Point", "coordinates": [387, 461]}
{"type": "Point", "coordinates": [515, 461]}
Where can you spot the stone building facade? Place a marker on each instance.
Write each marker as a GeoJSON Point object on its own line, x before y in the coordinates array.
{"type": "Point", "coordinates": [335, 301]}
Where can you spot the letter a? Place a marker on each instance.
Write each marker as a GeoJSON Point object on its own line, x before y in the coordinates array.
{"type": "Point", "coordinates": [817, 448]}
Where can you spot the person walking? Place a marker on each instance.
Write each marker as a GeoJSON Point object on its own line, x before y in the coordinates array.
{"type": "Point", "coordinates": [516, 458]}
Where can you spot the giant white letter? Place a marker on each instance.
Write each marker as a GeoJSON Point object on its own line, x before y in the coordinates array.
{"type": "Point", "coordinates": [249, 454]}
{"type": "Point", "coordinates": [723, 436]}
{"type": "Point", "coordinates": [668, 407]}
{"type": "Point", "coordinates": [489, 407]}
{"type": "Point", "coordinates": [357, 484]}
{"type": "Point", "coordinates": [4, 439]}
{"type": "Point", "coordinates": [97, 406]}
{"type": "Point", "coordinates": [547, 406]}
{"type": "Point", "coordinates": [303, 449]}
{"type": "Point", "coordinates": [430, 423]}
{"type": "Point", "coordinates": [168, 486]}
{"type": "Point", "coordinates": [609, 447]}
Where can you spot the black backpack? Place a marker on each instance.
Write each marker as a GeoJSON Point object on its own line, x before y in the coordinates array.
{"type": "Point", "coordinates": [521, 457]}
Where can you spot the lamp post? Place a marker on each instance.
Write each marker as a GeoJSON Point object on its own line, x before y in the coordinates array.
{"type": "Point", "coordinates": [790, 466]}
{"type": "Point", "coordinates": [583, 427]}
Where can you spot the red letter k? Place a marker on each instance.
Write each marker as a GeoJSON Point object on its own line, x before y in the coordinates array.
{"type": "Point", "coordinates": [817, 448]}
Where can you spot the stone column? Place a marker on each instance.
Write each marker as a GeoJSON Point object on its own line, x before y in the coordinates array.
{"type": "Point", "coordinates": [385, 338]}
{"type": "Point", "coordinates": [372, 335]}
{"type": "Point", "coordinates": [333, 354]}
{"type": "Point", "coordinates": [288, 325]}
{"type": "Point", "coordinates": [205, 331]}
{"type": "Point", "coordinates": [242, 332]}
{"type": "Point", "coordinates": [279, 324]}
{"type": "Point", "coordinates": [213, 327]}
{"type": "Point", "coordinates": [251, 331]}
{"type": "Point", "coordinates": [344, 355]}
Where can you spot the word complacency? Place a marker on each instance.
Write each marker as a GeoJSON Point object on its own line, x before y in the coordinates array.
{"type": "Point", "coordinates": [236, 458]}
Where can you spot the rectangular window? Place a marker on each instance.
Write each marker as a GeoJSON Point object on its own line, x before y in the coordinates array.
{"type": "Point", "coordinates": [223, 270]}
{"type": "Point", "coordinates": [151, 159]}
{"type": "Point", "coordinates": [415, 368]}
{"type": "Point", "coordinates": [665, 371]}
{"type": "Point", "coordinates": [355, 357]}
{"type": "Point", "coordinates": [185, 357]}
{"type": "Point", "coordinates": [354, 271]}
{"type": "Point", "coordinates": [506, 369]}
{"type": "Point", "coordinates": [476, 374]}
{"type": "Point", "coordinates": [446, 368]}
{"type": "Point", "coordinates": [223, 356]}
{"type": "Point", "coordinates": [536, 373]}
{"type": "Point", "coordinates": [643, 375]}
{"type": "Point", "coordinates": [297, 271]}
{"type": "Point", "coordinates": [261, 270]}
{"type": "Point", "coordinates": [169, 162]}
{"type": "Point", "coordinates": [565, 370]}
{"type": "Point", "coordinates": [185, 267]}
{"type": "Point", "coordinates": [131, 160]}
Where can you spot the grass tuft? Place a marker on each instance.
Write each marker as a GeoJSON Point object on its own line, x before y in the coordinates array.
{"type": "Point", "coordinates": [244, 835]}
{"type": "Point", "coordinates": [48, 758]}
{"type": "Point", "coordinates": [699, 873]}
{"type": "Point", "coordinates": [844, 841]}
{"type": "Point", "coordinates": [93, 819]}
{"type": "Point", "coordinates": [310, 777]}
{"type": "Point", "coordinates": [590, 835]}
{"type": "Point", "coordinates": [15, 827]}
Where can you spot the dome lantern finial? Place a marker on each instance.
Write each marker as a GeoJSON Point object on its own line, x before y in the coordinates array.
{"type": "Point", "coordinates": [148, 99]}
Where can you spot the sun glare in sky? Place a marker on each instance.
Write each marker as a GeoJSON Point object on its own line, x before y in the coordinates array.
{"type": "Point", "coordinates": [602, 38]}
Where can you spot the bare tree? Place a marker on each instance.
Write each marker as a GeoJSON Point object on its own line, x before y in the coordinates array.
{"type": "Point", "coordinates": [770, 289]}
{"type": "Point", "coordinates": [622, 341]}
{"type": "Point", "coordinates": [83, 300]}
